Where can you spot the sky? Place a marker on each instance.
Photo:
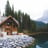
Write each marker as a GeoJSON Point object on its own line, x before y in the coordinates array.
{"type": "Point", "coordinates": [34, 8]}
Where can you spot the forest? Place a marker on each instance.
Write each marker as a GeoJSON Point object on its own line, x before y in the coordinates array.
{"type": "Point", "coordinates": [27, 25]}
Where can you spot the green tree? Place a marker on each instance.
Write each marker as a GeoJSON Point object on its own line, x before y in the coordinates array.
{"type": "Point", "coordinates": [19, 19]}
{"type": "Point", "coordinates": [15, 15]}
{"type": "Point", "coordinates": [25, 22]}
{"type": "Point", "coordinates": [7, 9]}
{"type": "Point", "coordinates": [12, 11]}
{"type": "Point", "coordinates": [24, 19]}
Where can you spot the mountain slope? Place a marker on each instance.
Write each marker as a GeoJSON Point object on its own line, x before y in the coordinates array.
{"type": "Point", "coordinates": [40, 24]}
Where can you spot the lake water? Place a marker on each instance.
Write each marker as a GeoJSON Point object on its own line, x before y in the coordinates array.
{"type": "Point", "coordinates": [42, 40]}
{"type": "Point", "coordinates": [37, 46]}
{"type": "Point", "coordinates": [44, 45]}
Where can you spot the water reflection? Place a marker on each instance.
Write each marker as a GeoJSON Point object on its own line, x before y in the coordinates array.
{"type": "Point", "coordinates": [37, 46]}
{"type": "Point", "coordinates": [42, 40]}
{"type": "Point", "coordinates": [44, 45]}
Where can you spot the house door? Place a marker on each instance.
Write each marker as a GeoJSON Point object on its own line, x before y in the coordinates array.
{"type": "Point", "coordinates": [9, 31]}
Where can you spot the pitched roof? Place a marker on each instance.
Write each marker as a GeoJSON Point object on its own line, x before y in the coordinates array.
{"type": "Point", "coordinates": [4, 18]}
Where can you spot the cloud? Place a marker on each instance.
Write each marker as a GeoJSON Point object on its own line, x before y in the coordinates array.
{"type": "Point", "coordinates": [44, 18]}
{"type": "Point", "coordinates": [34, 8]}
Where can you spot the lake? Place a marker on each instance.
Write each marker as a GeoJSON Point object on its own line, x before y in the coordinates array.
{"type": "Point", "coordinates": [41, 40]}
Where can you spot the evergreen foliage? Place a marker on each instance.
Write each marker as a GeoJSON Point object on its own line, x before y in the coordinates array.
{"type": "Point", "coordinates": [26, 24]}
{"type": "Point", "coordinates": [7, 9]}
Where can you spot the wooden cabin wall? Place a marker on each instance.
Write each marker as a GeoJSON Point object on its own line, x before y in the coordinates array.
{"type": "Point", "coordinates": [2, 29]}
{"type": "Point", "coordinates": [13, 29]}
{"type": "Point", "coordinates": [9, 29]}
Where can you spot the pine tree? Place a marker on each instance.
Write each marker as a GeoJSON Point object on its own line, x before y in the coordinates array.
{"type": "Point", "coordinates": [12, 11]}
{"type": "Point", "coordinates": [24, 19]}
{"type": "Point", "coordinates": [7, 9]}
{"type": "Point", "coordinates": [15, 15]}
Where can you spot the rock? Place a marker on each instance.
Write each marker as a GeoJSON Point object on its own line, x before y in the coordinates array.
{"type": "Point", "coordinates": [17, 41]}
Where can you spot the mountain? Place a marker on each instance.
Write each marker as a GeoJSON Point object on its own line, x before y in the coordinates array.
{"type": "Point", "coordinates": [44, 18]}
{"type": "Point", "coordinates": [40, 24]}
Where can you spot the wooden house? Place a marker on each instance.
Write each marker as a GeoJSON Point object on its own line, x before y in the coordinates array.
{"type": "Point", "coordinates": [8, 25]}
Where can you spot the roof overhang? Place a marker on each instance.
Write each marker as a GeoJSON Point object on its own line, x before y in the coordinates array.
{"type": "Point", "coordinates": [8, 18]}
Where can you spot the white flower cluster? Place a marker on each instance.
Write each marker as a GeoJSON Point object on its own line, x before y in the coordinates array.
{"type": "Point", "coordinates": [16, 41]}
